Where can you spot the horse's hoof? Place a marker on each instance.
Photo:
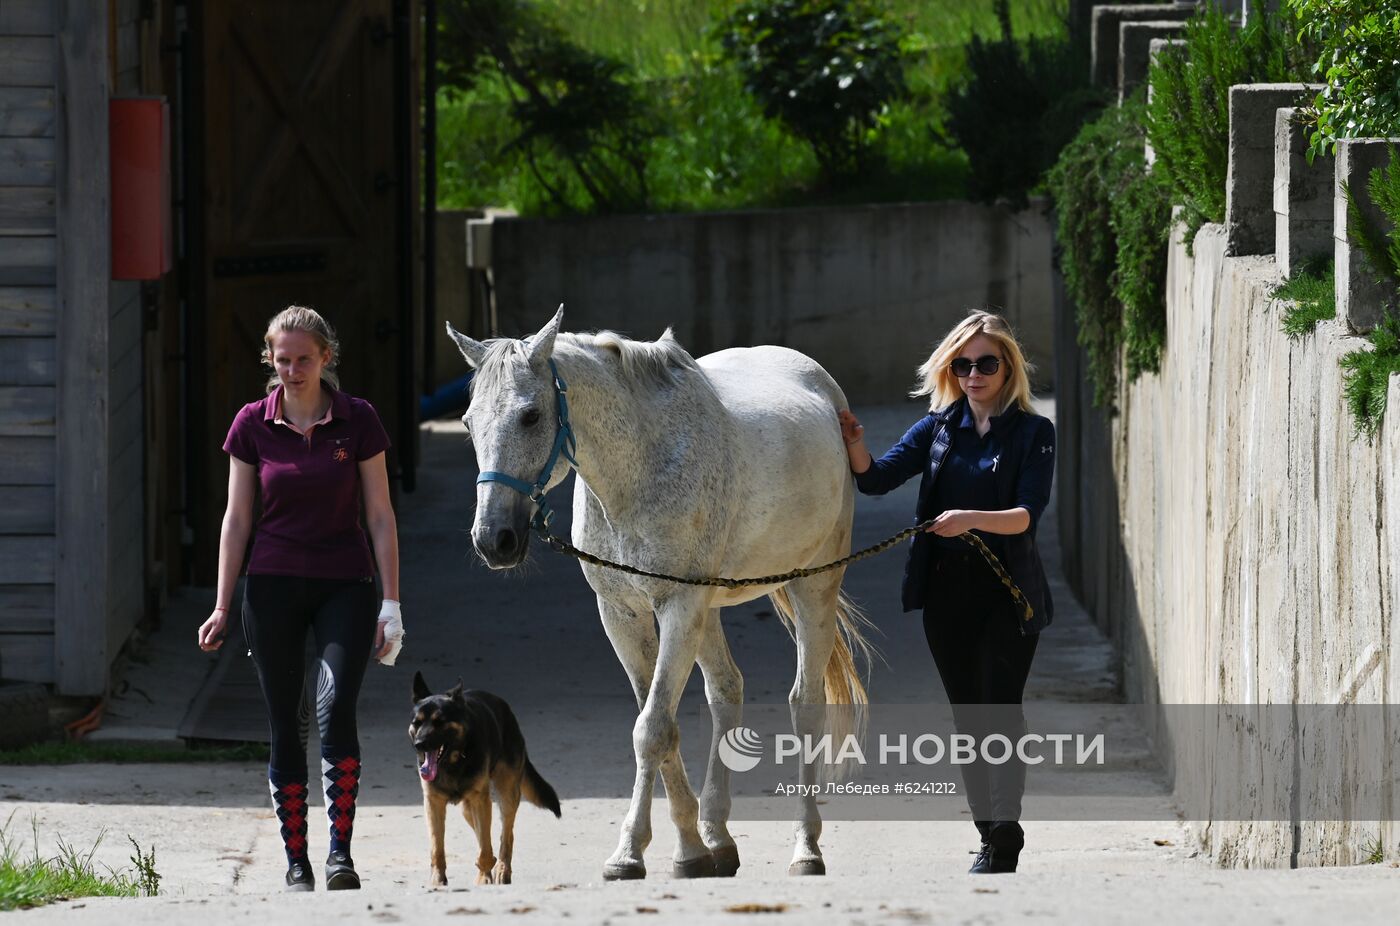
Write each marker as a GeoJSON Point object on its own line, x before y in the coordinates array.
{"type": "Point", "coordinates": [624, 871]}
{"type": "Point", "coordinates": [726, 861]}
{"type": "Point", "coordinates": [702, 866]}
{"type": "Point", "coordinates": [807, 866]}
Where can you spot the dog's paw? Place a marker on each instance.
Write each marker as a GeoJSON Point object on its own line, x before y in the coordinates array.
{"type": "Point", "coordinates": [501, 873]}
{"type": "Point", "coordinates": [437, 879]}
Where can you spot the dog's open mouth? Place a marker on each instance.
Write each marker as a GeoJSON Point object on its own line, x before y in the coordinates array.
{"type": "Point", "coordinates": [428, 767]}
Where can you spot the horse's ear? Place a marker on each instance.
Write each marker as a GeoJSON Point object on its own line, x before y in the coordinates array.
{"type": "Point", "coordinates": [542, 344]}
{"type": "Point", "coordinates": [420, 688]}
{"type": "Point", "coordinates": [473, 351]}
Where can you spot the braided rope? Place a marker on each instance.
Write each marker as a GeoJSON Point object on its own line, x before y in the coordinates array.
{"type": "Point", "coordinates": [560, 545]}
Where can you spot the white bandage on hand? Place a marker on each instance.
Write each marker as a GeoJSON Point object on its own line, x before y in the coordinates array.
{"type": "Point", "coordinates": [391, 618]}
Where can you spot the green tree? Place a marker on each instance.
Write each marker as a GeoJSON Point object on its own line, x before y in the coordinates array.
{"type": "Point", "coordinates": [581, 126]}
{"type": "Point", "coordinates": [826, 68]}
{"type": "Point", "coordinates": [1358, 57]}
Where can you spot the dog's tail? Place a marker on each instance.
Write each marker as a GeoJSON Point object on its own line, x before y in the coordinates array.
{"type": "Point", "coordinates": [537, 791]}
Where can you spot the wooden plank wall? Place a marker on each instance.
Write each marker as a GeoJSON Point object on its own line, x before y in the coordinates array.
{"type": "Point", "coordinates": [84, 545]}
{"type": "Point", "coordinates": [126, 514]}
{"type": "Point", "coordinates": [28, 349]}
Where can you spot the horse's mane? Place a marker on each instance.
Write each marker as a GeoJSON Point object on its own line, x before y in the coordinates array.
{"type": "Point", "coordinates": [658, 362]}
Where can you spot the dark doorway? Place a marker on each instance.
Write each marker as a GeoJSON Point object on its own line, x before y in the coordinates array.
{"type": "Point", "coordinates": [302, 195]}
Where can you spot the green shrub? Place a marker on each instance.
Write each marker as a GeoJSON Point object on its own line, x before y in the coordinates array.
{"type": "Point", "coordinates": [1381, 245]}
{"type": "Point", "coordinates": [1312, 294]}
{"type": "Point", "coordinates": [825, 68]}
{"type": "Point", "coordinates": [1367, 373]}
{"type": "Point", "coordinates": [1140, 215]}
{"type": "Point", "coordinates": [1020, 104]}
{"type": "Point", "coordinates": [1113, 223]}
{"type": "Point", "coordinates": [1188, 120]}
{"type": "Point", "coordinates": [1355, 43]}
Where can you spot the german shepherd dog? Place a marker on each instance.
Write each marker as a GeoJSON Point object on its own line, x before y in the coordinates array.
{"type": "Point", "coordinates": [469, 742]}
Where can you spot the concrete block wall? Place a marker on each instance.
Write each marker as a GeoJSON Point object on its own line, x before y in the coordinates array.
{"type": "Point", "coordinates": [1135, 42]}
{"type": "Point", "coordinates": [1303, 195]}
{"type": "Point", "coordinates": [865, 290]}
{"type": "Point", "coordinates": [1249, 183]}
{"type": "Point", "coordinates": [1106, 36]}
{"type": "Point", "coordinates": [1239, 542]}
{"type": "Point", "coordinates": [1225, 524]}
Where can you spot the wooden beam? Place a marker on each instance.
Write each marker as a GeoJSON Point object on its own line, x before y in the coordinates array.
{"type": "Point", "coordinates": [26, 461]}
{"type": "Point", "coordinates": [26, 310]}
{"type": "Point", "coordinates": [26, 17]}
{"type": "Point", "coordinates": [26, 162]}
{"type": "Point", "coordinates": [26, 362]}
{"type": "Point", "coordinates": [26, 510]}
{"type": "Point", "coordinates": [26, 561]}
{"type": "Point", "coordinates": [26, 210]}
{"type": "Point", "coordinates": [26, 62]}
{"type": "Point", "coordinates": [84, 261]}
{"type": "Point", "coordinates": [26, 112]}
{"type": "Point", "coordinates": [26, 609]}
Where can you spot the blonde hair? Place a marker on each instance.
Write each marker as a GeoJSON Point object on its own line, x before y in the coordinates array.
{"type": "Point", "coordinates": [301, 318]}
{"type": "Point", "coordinates": [937, 381]}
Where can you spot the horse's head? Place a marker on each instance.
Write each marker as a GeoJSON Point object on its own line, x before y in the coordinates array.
{"type": "Point", "coordinates": [513, 422]}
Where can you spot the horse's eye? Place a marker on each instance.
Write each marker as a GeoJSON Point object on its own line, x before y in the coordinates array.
{"type": "Point", "coordinates": [530, 418]}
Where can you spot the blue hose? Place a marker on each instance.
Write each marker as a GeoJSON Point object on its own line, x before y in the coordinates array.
{"type": "Point", "coordinates": [450, 397]}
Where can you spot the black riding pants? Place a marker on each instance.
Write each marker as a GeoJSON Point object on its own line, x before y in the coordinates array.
{"type": "Point", "coordinates": [340, 613]}
{"type": "Point", "coordinates": [983, 660]}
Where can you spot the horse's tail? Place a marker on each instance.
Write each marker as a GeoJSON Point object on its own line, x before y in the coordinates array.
{"type": "Point", "coordinates": [842, 678]}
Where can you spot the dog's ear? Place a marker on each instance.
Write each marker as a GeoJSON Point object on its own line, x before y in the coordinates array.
{"type": "Point", "coordinates": [420, 688]}
{"type": "Point", "coordinates": [455, 692]}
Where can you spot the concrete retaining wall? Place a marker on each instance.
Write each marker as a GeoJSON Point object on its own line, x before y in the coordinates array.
{"type": "Point", "coordinates": [865, 290]}
{"type": "Point", "coordinates": [1240, 541]}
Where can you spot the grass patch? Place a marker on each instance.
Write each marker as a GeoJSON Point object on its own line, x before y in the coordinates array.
{"type": "Point", "coordinates": [34, 880]}
{"type": "Point", "coordinates": [1313, 294]}
{"type": "Point", "coordinates": [1375, 852]}
{"type": "Point", "coordinates": [1366, 375]}
{"type": "Point", "coordinates": [121, 753]}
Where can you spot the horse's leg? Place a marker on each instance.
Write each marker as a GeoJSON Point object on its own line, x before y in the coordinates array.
{"type": "Point", "coordinates": [724, 689]}
{"type": "Point", "coordinates": [633, 637]}
{"type": "Point", "coordinates": [814, 622]}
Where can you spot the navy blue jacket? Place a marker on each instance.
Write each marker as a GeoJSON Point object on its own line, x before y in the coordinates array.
{"type": "Point", "coordinates": [1029, 449]}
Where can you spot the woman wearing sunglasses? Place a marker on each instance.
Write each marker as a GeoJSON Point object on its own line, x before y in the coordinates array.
{"type": "Point", "coordinates": [986, 461]}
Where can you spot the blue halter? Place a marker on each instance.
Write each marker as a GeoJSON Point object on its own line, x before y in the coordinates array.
{"type": "Point", "coordinates": [564, 444]}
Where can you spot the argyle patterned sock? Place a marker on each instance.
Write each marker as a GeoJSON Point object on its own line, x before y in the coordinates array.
{"type": "Point", "coordinates": [289, 800]}
{"type": "Point", "coordinates": [341, 778]}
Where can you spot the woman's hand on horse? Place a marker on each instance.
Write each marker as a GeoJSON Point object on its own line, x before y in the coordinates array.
{"type": "Point", "coordinates": [953, 522]}
{"type": "Point", "coordinates": [211, 632]}
{"type": "Point", "coordinates": [851, 428]}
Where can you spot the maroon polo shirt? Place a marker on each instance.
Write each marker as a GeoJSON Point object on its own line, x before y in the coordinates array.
{"type": "Point", "coordinates": [310, 486]}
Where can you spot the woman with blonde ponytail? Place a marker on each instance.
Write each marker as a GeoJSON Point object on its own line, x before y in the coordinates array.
{"type": "Point", "coordinates": [315, 455]}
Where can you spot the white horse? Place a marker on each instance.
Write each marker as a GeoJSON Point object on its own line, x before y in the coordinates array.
{"type": "Point", "coordinates": [732, 465]}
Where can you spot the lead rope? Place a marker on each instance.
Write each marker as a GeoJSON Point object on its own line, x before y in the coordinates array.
{"type": "Point", "coordinates": [560, 545]}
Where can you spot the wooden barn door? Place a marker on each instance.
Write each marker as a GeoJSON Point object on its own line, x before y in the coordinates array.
{"type": "Point", "coordinates": [301, 204]}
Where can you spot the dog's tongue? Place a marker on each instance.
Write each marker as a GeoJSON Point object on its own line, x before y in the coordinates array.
{"type": "Point", "coordinates": [428, 770]}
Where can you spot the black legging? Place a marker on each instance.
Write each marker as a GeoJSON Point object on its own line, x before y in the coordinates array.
{"type": "Point", "coordinates": [277, 612]}
{"type": "Point", "coordinates": [983, 659]}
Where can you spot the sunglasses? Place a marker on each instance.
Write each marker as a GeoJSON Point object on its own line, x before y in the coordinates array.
{"type": "Point", "coordinates": [986, 365]}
